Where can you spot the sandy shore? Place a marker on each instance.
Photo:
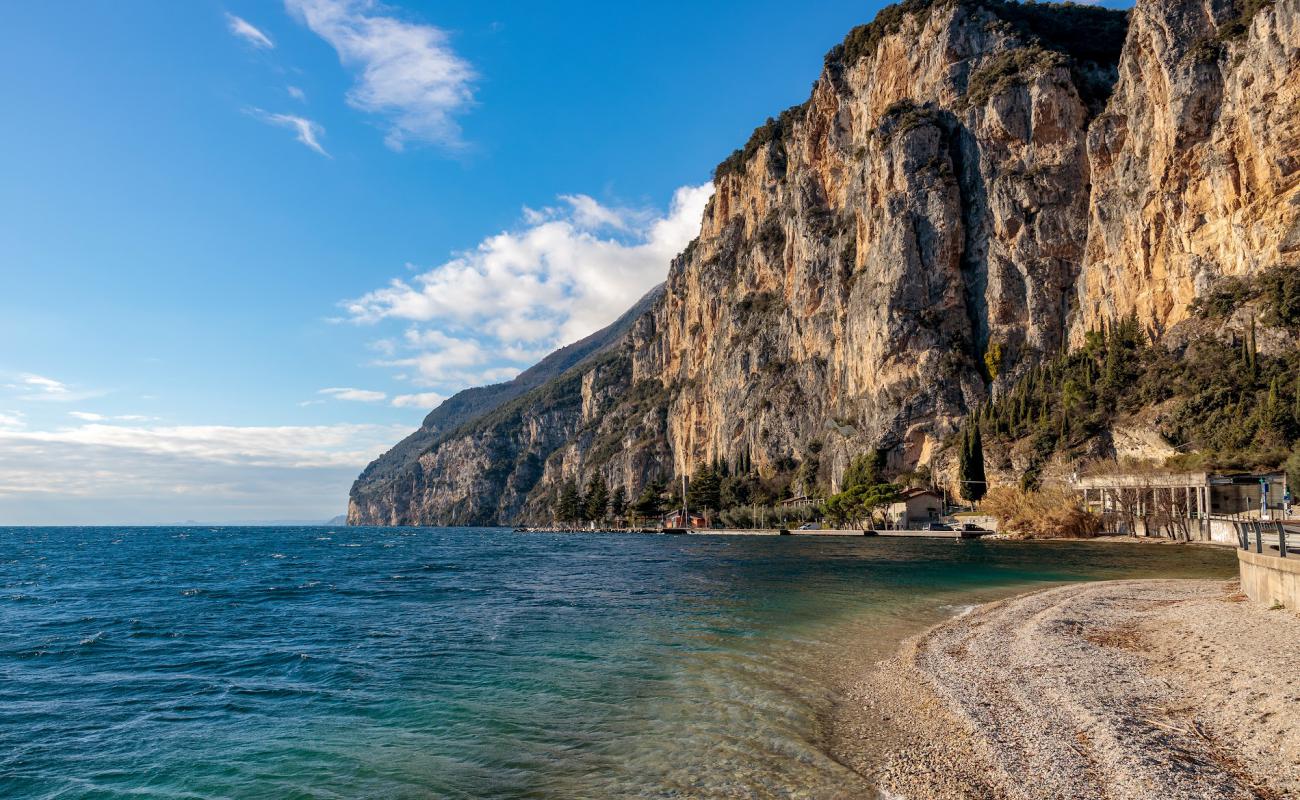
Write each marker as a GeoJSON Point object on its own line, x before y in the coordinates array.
{"type": "Point", "coordinates": [1121, 689]}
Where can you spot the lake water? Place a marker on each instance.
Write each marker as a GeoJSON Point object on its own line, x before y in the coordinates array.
{"type": "Point", "coordinates": [412, 663]}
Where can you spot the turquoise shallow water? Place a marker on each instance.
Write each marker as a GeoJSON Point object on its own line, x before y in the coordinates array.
{"type": "Point", "coordinates": [394, 663]}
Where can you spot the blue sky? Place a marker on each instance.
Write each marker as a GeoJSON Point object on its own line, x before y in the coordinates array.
{"type": "Point", "coordinates": [247, 245]}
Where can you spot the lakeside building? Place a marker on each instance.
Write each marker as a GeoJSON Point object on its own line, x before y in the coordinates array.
{"type": "Point", "coordinates": [1184, 505]}
{"type": "Point", "coordinates": [914, 508]}
{"type": "Point", "coordinates": [675, 519]}
{"type": "Point", "coordinates": [799, 501]}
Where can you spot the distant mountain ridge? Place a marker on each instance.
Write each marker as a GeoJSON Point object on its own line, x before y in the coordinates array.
{"type": "Point", "coordinates": [466, 406]}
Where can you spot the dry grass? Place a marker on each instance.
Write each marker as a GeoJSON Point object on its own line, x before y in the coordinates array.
{"type": "Point", "coordinates": [1049, 513]}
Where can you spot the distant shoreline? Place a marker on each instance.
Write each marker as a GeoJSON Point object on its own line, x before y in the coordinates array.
{"type": "Point", "coordinates": [1124, 689]}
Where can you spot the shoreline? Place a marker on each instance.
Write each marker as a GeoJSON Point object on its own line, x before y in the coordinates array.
{"type": "Point", "coordinates": [1172, 688]}
{"type": "Point", "coordinates": [850, 533]}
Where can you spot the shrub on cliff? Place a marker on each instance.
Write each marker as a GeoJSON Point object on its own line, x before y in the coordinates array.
{"type": "Point", "coordinates": [771, 134]}
{"type": "Point", "coordinates": [1048, 513]}
{"type": "Point", "coordinates": [1010, 68]}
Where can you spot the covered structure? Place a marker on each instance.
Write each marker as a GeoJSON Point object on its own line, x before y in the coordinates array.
{"type": "Point", "coordinates": [1183, 504]}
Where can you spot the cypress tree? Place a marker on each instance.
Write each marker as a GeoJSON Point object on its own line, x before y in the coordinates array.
{"type": "Point", "coordinates": [970, 464]}
{"type": "Point", "coordinates": [1249, 355]}
{"type": "Point", "coordinates": [1295, 411]}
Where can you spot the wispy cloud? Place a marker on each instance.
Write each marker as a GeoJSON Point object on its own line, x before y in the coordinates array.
{"type": "Point", "coordinates": [567, 271]}
{"type": "Point", "coordinates": [106, 473]}
{"type": "Point", "coordinates": [285, 446]}
{"type": "Point", "coordinates": [407, 72]}
{"type": "Point", "coordinates": [306, 131]}
{"type": "Point", "coordinates": [45, 385]}
{"type": "Point", "coordinates": [296, 93]}
{"type": "Point", "coordinates": [31, 387]}
{"type": "Point", "coordinates": [91, 416]}
{"type": "Point", "coordinates": [348, 393]}
{"type": "Point", "coordinates": [248, 32]}
{"type": "Point", "coordinates": [418, 400]}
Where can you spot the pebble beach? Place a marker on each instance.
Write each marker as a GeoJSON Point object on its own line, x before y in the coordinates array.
{"type": "Point", "coordinates": [1118, 689]}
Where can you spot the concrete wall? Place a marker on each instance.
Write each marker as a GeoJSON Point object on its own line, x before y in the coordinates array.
{"type": "Point", "coordinates": [1223, 532]}
{"type": "Point", "coordinates": [1270, 580]}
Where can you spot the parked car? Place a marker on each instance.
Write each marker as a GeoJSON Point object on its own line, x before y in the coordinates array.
{"type": "Point", "coordinates": [937, 526]}
{"type": "Point", "coordinates": [809, 526]}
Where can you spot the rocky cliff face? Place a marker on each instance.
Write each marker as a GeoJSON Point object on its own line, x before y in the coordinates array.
{"type": "Point", "coordinates": [971, 185]}
{"type": "Point", "coordinates": [1196, 160]}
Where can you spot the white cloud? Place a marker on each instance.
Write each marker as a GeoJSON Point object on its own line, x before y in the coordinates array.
{"type": "Point", "coordinates": [407, 71]}
{"type": "Point", "coordinates": [588, 213]}
{"type": "Point", "coordinates": [419, 400]}
{"type": "Point", "coordinates": [287, 446]}
{"type": "Point", "coordinates": [90, 416]}
{"type": "Point", "coordinates": [105, 473]}
{"type": "Point", "coordinates": [359, 395]}
{"type": "Point", "coordinates": [307, 131]}
{"type": "Point", "coordinates": [566, 272]}
{"type": "Point", "coordinates": [249, 33]}
{"type": "Point", "coordinates": [12, 419]}
{"type": "Point", "coordinates": [296, 93]}
{"type": "Point", "coordinates": [44, 385]}
{"type": "Point", "coordinates": [32, 387]}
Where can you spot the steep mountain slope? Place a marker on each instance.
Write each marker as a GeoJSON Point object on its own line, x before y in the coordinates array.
{"type": "Point", "coordinates": [972, 185]}
{"type": "Point", "coordinates": [387, 478]}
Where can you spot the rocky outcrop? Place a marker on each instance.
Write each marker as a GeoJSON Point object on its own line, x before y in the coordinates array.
{"type": "Point", "coordinates": [971, 184]}
{"type": "Point", "coordinates": [1196, 161]}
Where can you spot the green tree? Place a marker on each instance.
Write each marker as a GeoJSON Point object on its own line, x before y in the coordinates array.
{"type": "Point", "coordinates": [650, 502]}
{"type": "Point", "coordinates": [705, 490]}
{"type": "Point", "coordinates": [865, 470]}
{"type": "Point", "coordinates": [864, 491]}
{"type": "Point", "coordinates": [618, 502]}
{"type": "Point", "coordinates": [595, 502]}
{"type": "Point", "coordinates": [970, 464]}
{"type": "Point", "coordinates": [568, 506]}
{"type": "Point", "coordinates": [737, 490]}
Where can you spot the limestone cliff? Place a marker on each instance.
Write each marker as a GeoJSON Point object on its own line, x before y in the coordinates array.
{"type": "Point", "coordinates": [1196, 161]}
{"type": "Point", "coordinates": [971, 184]}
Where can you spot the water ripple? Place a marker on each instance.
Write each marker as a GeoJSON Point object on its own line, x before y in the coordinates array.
{"type": "Point", "coordinates": [342, 662]}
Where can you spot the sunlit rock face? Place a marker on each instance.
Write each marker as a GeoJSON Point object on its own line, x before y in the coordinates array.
{"type": "Point", "coordinates": [970, 187]}
{"type": "Point", "coordinates": [1196, 161]}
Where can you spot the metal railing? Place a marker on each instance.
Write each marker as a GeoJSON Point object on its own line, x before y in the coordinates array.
{"type": "Point", "coordinates": [1260, 534]}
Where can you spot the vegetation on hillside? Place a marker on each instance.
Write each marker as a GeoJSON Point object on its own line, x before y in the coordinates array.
{"type": "Point", "coordinates": [773, 133]}
{"type": "Point", "coordinates": [1221, 401]}
{"type": "Point", "coordinates": [1009, 68]}
{"type": "Point", "coordinates": [1235, 29]}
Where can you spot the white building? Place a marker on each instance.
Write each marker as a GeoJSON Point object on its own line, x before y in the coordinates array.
{"type": "Point", "coordinates": [914, 508]}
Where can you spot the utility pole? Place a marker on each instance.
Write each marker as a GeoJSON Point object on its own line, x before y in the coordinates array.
{"type": "Point", "coordinates": [686, 514]}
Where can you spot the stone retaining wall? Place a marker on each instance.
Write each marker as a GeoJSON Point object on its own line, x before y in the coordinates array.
{"type": "Point", "coordinates": [1270, 580]}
